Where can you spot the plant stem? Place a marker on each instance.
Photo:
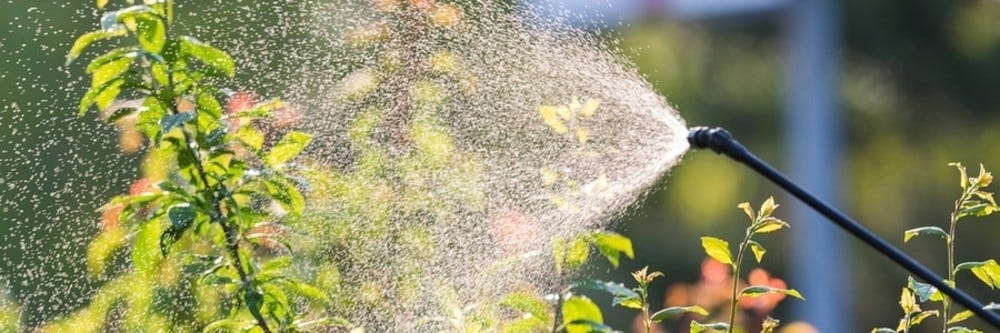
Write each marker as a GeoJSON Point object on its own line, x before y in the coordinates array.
{"type": "Point", "coordinates": [950, 241]}
{"type": "Point", "coordinates": [736, 279]}
{"type": "Point", "coordinates": [217, 214]}
{"type": "Point", "coordinates": [645, 309]}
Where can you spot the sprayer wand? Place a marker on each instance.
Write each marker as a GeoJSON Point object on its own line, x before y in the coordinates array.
{"type": "Point", "coordinates": [722, 142]}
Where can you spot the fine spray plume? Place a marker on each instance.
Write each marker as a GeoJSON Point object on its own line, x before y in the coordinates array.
{"type": "Point", "coordinates": [722, 142]}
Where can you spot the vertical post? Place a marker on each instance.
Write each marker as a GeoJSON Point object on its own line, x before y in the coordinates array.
{"type": "Point", "coordinates": [814, 132]}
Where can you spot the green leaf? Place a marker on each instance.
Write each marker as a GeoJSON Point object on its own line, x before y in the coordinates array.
{"type": "Point", "coordinates": [883, 330]}
{"type": "Point", "coordinates": [758, 250]}
{"type": "Point", "coordinates": [86, 39]}
{"type": "Point", "coordinates": [148, 119]}
{"type": "Point", "coordinates": [717, 249]}
{"type": "Point", "coordinates": [700, 327]}
{"type": "Point", "coordinates": [961, 316]}
{"type": "Point", "coordinates": [250, 137]}
{"type": "Point", "coordinates": [612, 245]}
{"type": "Point", "coordinates": [211, 56]}
{"type": "Point", "coordinates": [960, 329]}
{"type": "Point", "coordinates": [152, 33]}
{"type": "Point", "coordinates": [987, 271]}
{"type": "Point", "coordinates": [676, 310]}
{"type": "Point", "coordinates": [575, 255]}
{"type": "Point", "coordinates": [146, 253]}
{"type": "Point", "coordinates": [181, 217]}
{"type": "Point", "coordinates": [767, 208]}
{"type": "Point", "coordinates": [100, 250]}
{"type": "Point", "coordinates": [175, 120]}
{"type": "Point", "coordinates": [121, 113]}
{"type": "Point", "coordinates": [624, 297]}
{"type": "Point", "coordinates": [525, 303]}
{"type": "Point", "coordinates": [102, 95]}
{"type": "Point", "coordinates": [287, 148]}
{"type": "Point", "coordinates": [109, 71]}
{"type": "Point", "coordinates": [769, 224]}
{"type": "Point", "coordinates": [758, 290]}
{"type": "Point", "coordinates": [919, 317]}
{"type": "Point", "coordinates": [924, 291]}
{"type": "Point", "coordinates": [581, 314]}
{"type": "Point", "coordinates": [964, 178]}
{"type": "Point", "coordinates": [924, 231]}
{"type": "Point", "coordinates": [286, 195]}
{"type": "Point", "coordinates": [308, 291]}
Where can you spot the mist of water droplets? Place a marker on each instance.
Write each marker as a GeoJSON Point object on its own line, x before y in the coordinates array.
{"type": "Point", "coordinates": [489, 75]}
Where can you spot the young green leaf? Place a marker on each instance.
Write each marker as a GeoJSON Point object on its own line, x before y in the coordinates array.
{"type": "Point", "coordinates": [287, 148]}
{"type": "Point", "coordinates": [964, 178]}
{"type": "Point", "coordinates": [919, 317]}
{"type": "Point", "coordinates": [758, 250]}
{"type": "Point", "coordinates": [102, 95]}
{"type": "Point", "coordinates": [612, 245]}
{"type": "Point", "coordinates": [697, 327]}
{"type": "Point", "coordinates": [745, 206]}
{"type": "Point", "coordinates": [215, 58]}
{"type": "Point", "coordinates": [717, 249]}
{"type": "Point", "coordinates": [100, 250]}
{"type": "Point", "coordinates": [152, 33]}
{"type": "Point", "coordinates": [961, 316]}
{"type": "Point", "coordinates": [286, 195]}
{"type": "Point", "coordinates": [178, 119]}
{"type": "Point", "coordinates": [924, 291]}
{"type": "Point", "coordinates": [251, 137]}
{"type": "Point", "coordinates": [960, 329]}
{"type": "Point", "coordinates": [676, 310]}
{"type": "Point", "coordinates": [526, 303]}
{"type": "Point", "coordinates": [769, 325]}
{"type": "Point", "coordinates": [581, 314]}
{"type": "Point", "coordinates": [624, 297]}
{"type": "Point", "coordinates": [909, 234]}
{"type": "Point", "coordinates": [769, 224]}
{"type": "Point", "coordinates": [146, 253]}
{"type": "Point", "coordinates": [767, 207]}
{"type": "Point", "coordinates": [86, 39]}
{"type": "Point", "coordinates": [758, 290]}
{"type": "Point", "coordinates": [987, 271]}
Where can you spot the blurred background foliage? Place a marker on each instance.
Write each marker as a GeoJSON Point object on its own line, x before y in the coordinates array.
{"type": "Point", "coordinates": [918, 89]}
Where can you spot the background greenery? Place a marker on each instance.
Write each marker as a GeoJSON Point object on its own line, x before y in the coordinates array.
{"type": "Point", "coordinates": [917, 90]}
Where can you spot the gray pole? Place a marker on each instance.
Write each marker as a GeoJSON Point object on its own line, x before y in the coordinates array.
{"type": "Point", "coordinates": [814, 132]}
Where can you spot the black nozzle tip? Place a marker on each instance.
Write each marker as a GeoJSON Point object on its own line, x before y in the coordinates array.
{"type": "Point", "coordinates": [716, 139]}
{"type": "Point", "coordinates": [701, 137]}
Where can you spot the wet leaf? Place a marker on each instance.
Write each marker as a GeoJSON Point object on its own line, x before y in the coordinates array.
{"type": "Point", "coordinates": [102, 95]}
{"type": "Point", "coordinates": [676, 310]}
{"type": "Point", "coordinates": [101, 249]}
{"type": "Point", "coordinates": [152, 33]}
{"type": "Point", "coordinates": [582, 315]}
{"type": "Point", "coordinates": [251, 137]}
{"type": "Point", "coordinates": [215, 58]}
{"type": "Point", "coordinates": [612, 245]}
{"type": "Point", "coordinates": [175, 120]}
{"type": "Point", "coordinates": [526, 304]}
{"type": "Point", "coordinates": [623, 296]}
{"type": "Point", "coordinates": [86, 39]}
{"type": "Point", "coordinates": [909, 234]}
{"type": "Point", "coordinates": [717, 249]}
{"type": "Point", "coordinates": [550, 117]}
{"type": "Point", "coordinates": [146, 253]}
{"type": "Point", "coordinates": [287, 148]}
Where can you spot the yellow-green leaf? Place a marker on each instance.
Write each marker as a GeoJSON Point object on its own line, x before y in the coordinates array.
{"type": "Point", "coordinates": [758, 290]}
{"type": "Point", "coordinates": [909, 234]}
{"type": "Point", "coordinates": [209, 55]}
{"type": "Point", "coordinates": [550, 117]}
{"type": "Point", "coordinates": [580, 308]}
{"type": "Point", "coordinates": [152, 33]}
{"type": "Point", "coordinates": [758, 251]}
{"type": "Point", "coordinates": [959, 317]}
{"type": "Point", "coordinates": [612, 245]}
{"type": "Point", "coordinates": [697, 327]}
{"type": "Point", "coordinates": [717, 249]}
{"type": "Point", "coordinates": [769, 224]}
{"type": "Point", "coordinates": [767, 207]}
{"type": "Point", "coordinates": [86, 39]}
{"type": "Point", "coordinates": [677, 310]}
{"type": "Point", "coordinates": [101, 248]}
{"type": "Point", "coordinates": [287, 148]}
{"type": "Point", "coordinates": [749, 211]}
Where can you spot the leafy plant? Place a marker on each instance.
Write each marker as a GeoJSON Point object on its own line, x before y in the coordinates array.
{"type": "Point", "coordinates": [761, 222]}
{"type": "Point", "coordinates": [204, 231]}
{"type": "Point", "coordinates": [974, 201]}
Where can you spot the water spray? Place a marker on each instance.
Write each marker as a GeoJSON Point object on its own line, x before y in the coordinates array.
{"type": "Point", "coordinates": [722, 142]}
